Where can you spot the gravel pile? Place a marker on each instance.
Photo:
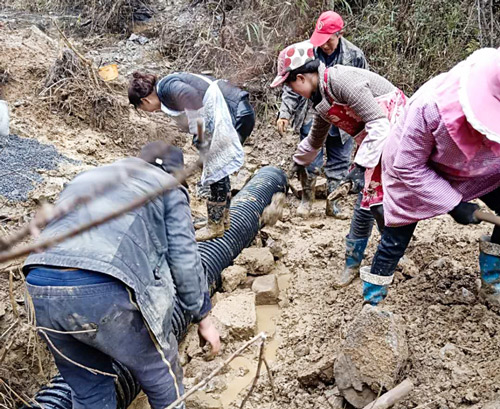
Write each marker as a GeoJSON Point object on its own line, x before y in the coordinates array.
{"type": "Point", "coordinates": [21, 159]}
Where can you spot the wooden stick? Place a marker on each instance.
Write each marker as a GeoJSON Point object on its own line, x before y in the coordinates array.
{"type": "Point", "coordinates": [65, 39]}
{"type": "Point", "coordinates": [141, 201]}
{"type": "Point", "coordinates": [202, 383]}
{"type": "Point", "coordinates": [48, 213]}
{"type": "Point", "coordinates": [271, 379]}
{"type": "Point", "coordinates": [487, 217]}
{"type": "Point", "coordinates": [11, 294]}
{"type": "Point", "coordinates": [392, 397]}
{"type": "Point", "coordinates": [257, 374]}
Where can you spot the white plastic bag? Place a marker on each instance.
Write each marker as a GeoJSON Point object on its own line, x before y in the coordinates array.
{"type": "Point", "coordinates": [4, 118]}
{"type": "Point", "coordinates": [226, 154]}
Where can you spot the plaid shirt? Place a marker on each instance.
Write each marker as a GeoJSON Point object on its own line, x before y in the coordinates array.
{"type": "Point", "coordinates": [351, 86]}
{"type": "Point", "coordinates": [299, 109]}
{"type": "Point", "coordinates": [425, 173]}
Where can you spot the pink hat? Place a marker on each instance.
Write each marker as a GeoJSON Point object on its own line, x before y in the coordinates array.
{"type": "Point", "coordinates": [292, 57]}
{"type": "Point", "coordinates": [328, 23]}
{"type": "Point", "coordinates": [479, 92]}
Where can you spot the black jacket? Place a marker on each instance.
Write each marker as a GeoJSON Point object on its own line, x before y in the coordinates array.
{"type": "Point", "coordinates": [182, 90]}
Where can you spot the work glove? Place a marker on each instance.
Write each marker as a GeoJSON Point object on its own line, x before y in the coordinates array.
{"type": "Point", "coordinates": [463, 213]}
{"type": "Point", "coordinates": [298, 170]}
{"type": "Point", "coordinates": [282, 125]}
{"type": "Point", "coordinates": [356, 179]}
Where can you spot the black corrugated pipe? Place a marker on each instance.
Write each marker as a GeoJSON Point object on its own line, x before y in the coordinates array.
{"type": "Point", "coordinates": [246, 209]}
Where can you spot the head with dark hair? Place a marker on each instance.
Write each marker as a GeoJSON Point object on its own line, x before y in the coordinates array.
{"type": "Point", "coordinates": [308, 67]}
{"type": "Point", "coordinates": [304, 79]}
{"type": "Point", "coordinates": [142, 92]}
{"type": "Point", "coordinates": [164, 156]}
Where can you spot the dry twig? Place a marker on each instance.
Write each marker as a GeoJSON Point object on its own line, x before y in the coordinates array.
{"type": "Point", "coordinates": [202, 383]}
{"type": "Point", "coordinates": [257, 374]}
{"type": "Point", "coordinates": [141, 201]}
{"type": "Point", "coordinates": [48, 213]}
{"type": "Point", "coordinates": [392, 397]}
{"type": "Point", "coordinates": [11, 294]}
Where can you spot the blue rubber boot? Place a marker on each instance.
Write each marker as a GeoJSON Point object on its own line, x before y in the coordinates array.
{"type": "Point", "coordinates": [373, 294]}
{"type": "Point", "coordinates": [354, 254]}
{"type": "Point", "coordinates": [489, 264]}
{"type": "Point", "coordinates": [374, 286]}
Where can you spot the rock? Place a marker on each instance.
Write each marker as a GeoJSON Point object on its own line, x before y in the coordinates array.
{"type": "Point", "coordinates": [203, 400]}
{"type": "Point", "coordinates": [236, 314]}
{"type": "Point", "coordinates": [259, 261]}
{"type": "Point", "coordinates": [334, 399]}
{"type": "Point", "coordinates": [319, 372]}
{"type": "Point", "coordinates": [372, 356]}
{"type": "Point", "coordinates": [2, 309]}
{"type": "Point", "coordinates": [301, 350]}
{"type": "Point", "coordinates": [359, 399]}
{"type": "Point", "coordinates": [336, 402]}
{"type": "Point", "coordinates": [138, 39]}
{"type": "Point", "coordinates": [266, 290]}
{"type": "Point", "coordinates": [232, 277]}
{"type": "Point", "coordinates": [409, 268]}
{"type": "Point", "coordinates": [277, 248]}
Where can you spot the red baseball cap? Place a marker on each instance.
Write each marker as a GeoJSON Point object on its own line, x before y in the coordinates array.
{"type": "Point", "coordinates": [328, 23]}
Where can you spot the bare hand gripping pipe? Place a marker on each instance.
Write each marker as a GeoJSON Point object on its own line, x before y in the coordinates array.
{"type": "Point", "coordinates": [246, 209]}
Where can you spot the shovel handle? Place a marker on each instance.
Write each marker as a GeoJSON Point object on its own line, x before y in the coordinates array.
{"type": "Point", "coordinates": [487, 217]}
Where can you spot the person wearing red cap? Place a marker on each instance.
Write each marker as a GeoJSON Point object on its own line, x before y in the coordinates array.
{"type": "Point", "coordinates": [331, 48]}
{"type": "Point", "coordinates": [443, 153]}
{"type": "Point", "coordinates": [361, 103]}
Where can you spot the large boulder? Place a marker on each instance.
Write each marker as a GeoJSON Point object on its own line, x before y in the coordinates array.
{"type": "Point", "coordinates": [372, 357]}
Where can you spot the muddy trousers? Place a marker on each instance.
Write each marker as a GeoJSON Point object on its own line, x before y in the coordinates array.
{"type": "Point", "coordinates": [111, 327]}
{"type": "Point", "coordinates": [395, 240]}
{"type": "Point", "coordinates": [362, 220]}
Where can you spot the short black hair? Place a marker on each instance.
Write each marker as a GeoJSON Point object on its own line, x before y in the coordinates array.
{"type": "Point", "coordinates": [308, 67]}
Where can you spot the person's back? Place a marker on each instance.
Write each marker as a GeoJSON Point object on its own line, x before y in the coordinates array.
{"type": "Point", "coordinates": [115, 285]}
{"type": "Point", "coordinates": [182, 90]}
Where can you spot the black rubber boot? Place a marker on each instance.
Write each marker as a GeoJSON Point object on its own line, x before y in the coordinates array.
{"type": "Point", "coordinates": [215, 222]}
{"type": "Point", "coordinates": [308, 194]}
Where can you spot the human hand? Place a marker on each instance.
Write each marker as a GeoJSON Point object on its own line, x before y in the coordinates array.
{"type": "Point", "coordinates": [282, 125]}
{"type": "Point", "coordinates": [356, 179]}
{"type": "Point", "coordinates": [208, 333]}
{"type": "Point", "coordinates": [463, 213]}
{"type": "Point", "coordinates": [296, 169]}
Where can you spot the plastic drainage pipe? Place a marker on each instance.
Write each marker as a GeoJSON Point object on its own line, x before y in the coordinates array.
{"type": "Point", "coordinates": [246, 209]}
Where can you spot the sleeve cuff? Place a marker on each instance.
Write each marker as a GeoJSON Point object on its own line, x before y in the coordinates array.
{"type": "Point", "coordinates": [205, 308]}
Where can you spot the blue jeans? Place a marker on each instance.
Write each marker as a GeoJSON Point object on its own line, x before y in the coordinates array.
{"type": "Point", "coordinates": [338, 154]}
{"type": "Point", "coordinates": [116, 330]}
{"type": "Point", "coordinates": [394, 240]}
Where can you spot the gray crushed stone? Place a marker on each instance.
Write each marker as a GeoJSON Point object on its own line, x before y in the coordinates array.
{"type": "Point", "coordinates": [21, 159]}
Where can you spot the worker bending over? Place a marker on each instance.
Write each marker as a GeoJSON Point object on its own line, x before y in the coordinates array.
{"type": "Point", "coordinates": [109, 293]}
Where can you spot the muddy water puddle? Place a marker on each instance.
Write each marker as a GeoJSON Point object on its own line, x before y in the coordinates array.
{"type": "Point", "coordinates": [267, 318]}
